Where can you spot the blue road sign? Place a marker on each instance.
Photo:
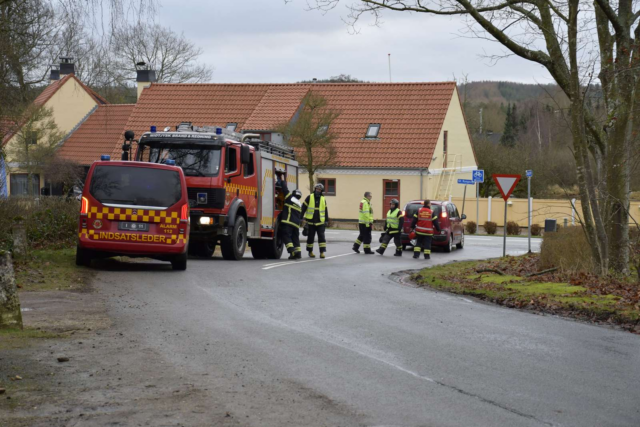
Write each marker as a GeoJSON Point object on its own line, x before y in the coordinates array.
{"type": "Point", "coordinates": [466, 181]}
{"type": "Point", "coordinates": [529, 173]}
{"type": "Point", "coordinates": [478, 175]}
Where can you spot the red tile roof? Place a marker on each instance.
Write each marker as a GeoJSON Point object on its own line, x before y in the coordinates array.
{"type": "Point", "coordinates": [411, 115]}
{"type": "Point", "coordinates": [96, 135]}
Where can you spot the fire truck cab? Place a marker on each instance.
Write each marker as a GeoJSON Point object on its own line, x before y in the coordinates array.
{"type": "Point", "coordinates": [231, 184]}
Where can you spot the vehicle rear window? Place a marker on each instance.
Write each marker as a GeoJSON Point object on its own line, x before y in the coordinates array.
{"type": "Point", "coordinates": [411, 209]}
{"type": "Point", "coordinates": [136, 186]}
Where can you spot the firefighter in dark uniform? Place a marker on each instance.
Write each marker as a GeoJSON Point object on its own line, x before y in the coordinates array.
{"type": "Point", "coordinates": [365, 224]}
{"type": "Point", "coordinates": [392, 228]}
{"type": "Point", "coordinates": [424, 221]}
{"type": "Point", "coordinates": [316, 213]}
{"type": "Point", "coordinates": [290, 219]}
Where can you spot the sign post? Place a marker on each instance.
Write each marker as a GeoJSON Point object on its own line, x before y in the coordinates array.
{"type": "Point", "coordinates": [465, 182]}
{"type": "Point", "coordinates": [529, 175]}
{"type": "Point", "coordinates": [506, 184]}
{"type": "Point", "coordinates": [478, 177]}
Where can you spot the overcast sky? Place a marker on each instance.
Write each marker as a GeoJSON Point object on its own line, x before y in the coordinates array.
{"type": "Point", "coordinates": [262, 41]}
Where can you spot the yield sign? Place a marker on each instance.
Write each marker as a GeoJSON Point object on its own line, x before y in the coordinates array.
{"type": "Point", "coordinates": [506, 184]}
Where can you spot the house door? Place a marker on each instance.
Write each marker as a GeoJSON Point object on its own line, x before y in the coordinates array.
{"type": "Point", "coordinates": [390, 190]}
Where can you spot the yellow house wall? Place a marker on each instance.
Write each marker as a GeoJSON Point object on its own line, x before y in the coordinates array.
{"type": "Point", "coordinates": [69, 105]}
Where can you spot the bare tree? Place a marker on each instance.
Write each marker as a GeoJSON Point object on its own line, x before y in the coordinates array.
{"type": "Point", "coordinates": [577, 42]}
{"type": "Point", "coordinates": [310, 133]}
{"type": "Point", "coordinates": [172, 56]}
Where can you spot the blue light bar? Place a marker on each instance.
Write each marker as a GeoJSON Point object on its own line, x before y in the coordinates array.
{"type": "Point", "coordinates": [153, 129]}
{"type": "Point", "coordinates": [105, 157]}
{"type": "Point", "coordinates": [218, 131]}
{"type": "Point", "coordinates": [170, 162]}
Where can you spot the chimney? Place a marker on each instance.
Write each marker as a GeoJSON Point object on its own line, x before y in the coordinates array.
{"type": "Point", "coordinates": [315, 80]}
{"type": "Point", "coordinates": [66, 65]}
{"type": "Point", "coordinates": [144, 77]}
{"type": "Point", "coordinates": [55, 73]}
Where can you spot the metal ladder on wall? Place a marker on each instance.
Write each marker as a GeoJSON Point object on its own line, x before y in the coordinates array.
{"type": "Point", "coordinates": [447, 176]}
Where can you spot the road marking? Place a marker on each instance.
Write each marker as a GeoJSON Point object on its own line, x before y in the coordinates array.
{"type": "Point", "coordinates": [291, 262]}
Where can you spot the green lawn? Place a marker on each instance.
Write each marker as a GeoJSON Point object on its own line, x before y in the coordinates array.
{"type": "Point", "coordinates": [51, 269]}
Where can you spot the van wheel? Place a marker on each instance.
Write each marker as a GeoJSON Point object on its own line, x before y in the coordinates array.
{"type": "Point", "coordinates": [234, 245]}
{"type": "Point", "coordinates": [461, 244]}
{"type": "Point", "coordinates": [203, 249]}
{"type": "Point", "coordinates": [179, 262]}
{"type": "Point", "coordinates": [83, 257]}
{"type": "Point", "coordinates": [449, 246]}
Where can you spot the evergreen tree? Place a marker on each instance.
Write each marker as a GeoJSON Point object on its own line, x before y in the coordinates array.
{"type": "Point", "coordinates": [508, 138]}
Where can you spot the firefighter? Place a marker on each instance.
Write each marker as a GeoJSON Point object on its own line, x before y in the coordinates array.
{"type": "Point", "coordinates": [392, 228]}
{"type": "Point", "coordinates": [365, 224]}
{"type": "Point", "coordinates": [290, 219]}
{"type": "Point", "coordinates": [424, 221]}
{"type": "Point", "coordinates": [316, 214]}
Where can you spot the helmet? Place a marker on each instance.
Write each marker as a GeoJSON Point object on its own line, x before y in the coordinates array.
{"type": "Point", "coordinates": [320, 186]}
{"type": "Point", "coordinates": [395, 202]}
{"type": "Point", "coordinates": [297, 194]}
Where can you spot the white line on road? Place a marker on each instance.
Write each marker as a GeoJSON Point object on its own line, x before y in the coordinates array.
{"type": "Point", "coordinates": [283, 264]}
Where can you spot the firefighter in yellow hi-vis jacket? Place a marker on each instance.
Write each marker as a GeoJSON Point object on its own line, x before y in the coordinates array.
{"type": "Point", "coordinates": [424, 221]}
{"type": "Point", "coordinates": [392, 228]}
{"type": "Point", "coordinates": [365, 223]}
{"type": "Point", "coordinates": [316, 214]}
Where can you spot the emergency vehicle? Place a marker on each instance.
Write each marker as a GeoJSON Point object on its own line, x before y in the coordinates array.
{"type": "Point", "coordinates": [135, 209]}
{"type": "Point", "coordinates": [231, 180]}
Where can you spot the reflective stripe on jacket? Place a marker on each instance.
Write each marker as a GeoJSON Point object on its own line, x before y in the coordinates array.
{"type": "Point", "coordinates": [366, 212]}
{"type": "Point", "coordinates": [393, 221]}
{"type": "Point", "coordinates": [311, 210]}
{"type": "Point", "coordinates": [425, 221]}
{"type": "Point", "coordinates": [292, 213]}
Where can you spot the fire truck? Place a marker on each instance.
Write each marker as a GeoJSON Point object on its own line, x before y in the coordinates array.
{"type": "Point", "coordinates": [231, 180]}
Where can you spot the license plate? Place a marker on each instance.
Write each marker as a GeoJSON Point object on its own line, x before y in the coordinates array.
{"type": "Point", "coordinates": [133, 226]}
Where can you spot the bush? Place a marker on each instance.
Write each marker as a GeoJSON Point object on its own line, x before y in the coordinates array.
{"type": "Point", "coordinates": [471, 227]}
{"type": "Point", "coordinates": [490, 227]}
{"type": "Point", "coordinates": [50, 222]}
{"type": "Point", "coordinates": [568, 250]}
{"type": "Point", "coordinates": [513, 229]}
{"type": "Point", "coordinates": [536, 229]}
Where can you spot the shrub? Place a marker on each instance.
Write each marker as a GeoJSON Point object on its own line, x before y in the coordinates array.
{"type": "Point", "coordinates": [50, 222]}
{"type": "Point", "coordinates": [513, 229]}
{"type": "Point", "coordinates": [536, 229]}
{"type": "Point", "coordinates": [471, 227]}
{"type": "Point", "coordinates": [568, 250]}
{"type": "Point", "coordinates": [490, 227]}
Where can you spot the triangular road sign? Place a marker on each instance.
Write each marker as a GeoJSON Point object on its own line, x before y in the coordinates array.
{"type": "Point", "coordinates": [506, 183]}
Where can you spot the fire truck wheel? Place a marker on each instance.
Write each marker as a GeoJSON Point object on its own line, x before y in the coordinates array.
{"type": "Point", "coordinates": [233, 246]}
{"type": "Point", "coordinates": [179, 262]}
{"type": "Point", "coordinates": [204, 249]}
{"type": "Point", "coordinates": [273, 248]}
{"type": "Point", "coordinates": [83, 257]}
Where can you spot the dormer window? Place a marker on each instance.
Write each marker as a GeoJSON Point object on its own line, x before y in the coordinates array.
{"type": "Point", "coordinates": [372, 131]}
{"type": "Point", "coordinates": [232, 126]}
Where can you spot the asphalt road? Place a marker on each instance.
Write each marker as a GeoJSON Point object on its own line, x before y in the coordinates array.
{"type": "Point", "coordinates": [338, 342]}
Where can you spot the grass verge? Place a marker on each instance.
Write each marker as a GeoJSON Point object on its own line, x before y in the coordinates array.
{"type": "Point", "coordinates": [506, 282]}
{"type": "Point", "coordinates": [50, 270]}
{"type": "Point", "coordinates": [17, 338]}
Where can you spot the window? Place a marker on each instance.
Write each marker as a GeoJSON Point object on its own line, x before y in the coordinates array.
{"type": "Point", "coordinates": [323, 129]}
{"type": "Point", "coordinates": [391, 188]}
{"type": "Point", "coordinates": [231, 160]}
{"type": "Point", "coordinates": [194, 161]}
{"type": "Point", "coordinates": [373, 130]}
{"type": "Point", "coordinates": [232, 126]}
{"type": "Point", "coordinates": [249, 169]}
{"type": "Point", "coordinates": [18, 182]}
{"type": "Point", "coordinates": [451, 211]}
{"type": "Point", "coordinates": [31, 137]}
{"type": "Point", "coordinates": [329, 186]}
{"type": "Point", "coordinates": [266, 137]}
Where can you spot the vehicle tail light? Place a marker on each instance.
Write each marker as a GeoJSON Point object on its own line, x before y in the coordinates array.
{"type": "Point", "coordinates": [444, 215]}
{"type": "Point", "coordinates": [84, 208]}
{"type": "Point", "coordinates": [184, 213]}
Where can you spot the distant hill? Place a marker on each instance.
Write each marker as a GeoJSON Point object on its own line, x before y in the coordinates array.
{"type": "Point", "coordinates": [507, 92]}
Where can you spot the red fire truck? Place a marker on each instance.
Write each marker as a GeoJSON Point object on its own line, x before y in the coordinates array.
{"type": "Point", "coordinates": [231, 181]}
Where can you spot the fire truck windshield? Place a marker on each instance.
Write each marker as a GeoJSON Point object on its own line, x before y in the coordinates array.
{"type": "Point", "coordinates": [194, 161]}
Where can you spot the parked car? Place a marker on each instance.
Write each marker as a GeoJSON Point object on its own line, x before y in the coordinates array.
{"type": "Point", "coordinates": [136, 209]}
{"type": "Point", "coordinates": [451, 227]}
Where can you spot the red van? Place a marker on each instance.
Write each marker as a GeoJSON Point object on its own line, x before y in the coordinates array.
{"type": "Point", "coordinates": [451, 227]}
{"type": "Point", "coordinates": [136, 209]}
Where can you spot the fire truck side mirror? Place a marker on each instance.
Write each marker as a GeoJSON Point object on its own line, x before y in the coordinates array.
{"type": "Point", "coordinates": [245, 155]}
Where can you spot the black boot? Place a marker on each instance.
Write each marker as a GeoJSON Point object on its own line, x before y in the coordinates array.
{"type": "Point", "coordinates": [356, 248]}
{"type": "Point", "coordinates": [380, 251]}
{"type": "Point", "coordinates": [368, 251]}
{"type": "Point", "coordinates": [292, 255]}
{"type": "Point", "coordinates": [427, 256]}
{"type": "Point", "coordinates": [398, 254]}
{"type": "Point", "coordinates": [416, 255]}
{"type": "Point", "coordinates": [298, 255]}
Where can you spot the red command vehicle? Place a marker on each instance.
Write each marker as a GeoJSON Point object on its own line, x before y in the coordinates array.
{"type": "Point", "coordinates": [135, 209]}
{"type": "Point", "coordinates": [231, 180]}
{"type": "Point", "coordinates": [451, 227]}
